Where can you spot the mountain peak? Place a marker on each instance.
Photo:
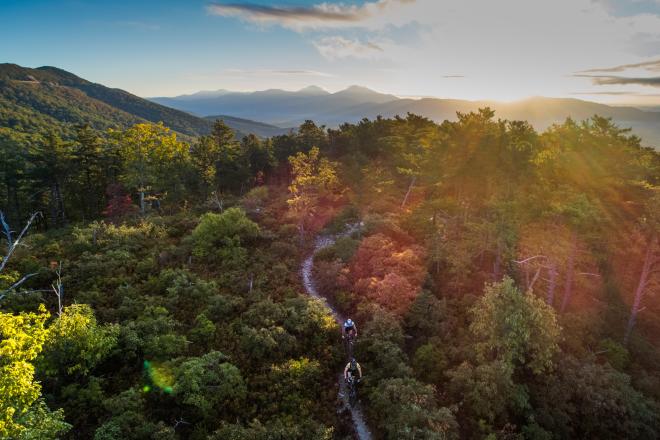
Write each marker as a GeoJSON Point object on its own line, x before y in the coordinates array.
{"type": "Point", "coordinates": [358, 89]}
{"type": "Point", "coordinates": [365, 94]}
{"type": "Point", "coordinates": [313, 90]}
{"type": "Point", "coordinates": [60, 76]}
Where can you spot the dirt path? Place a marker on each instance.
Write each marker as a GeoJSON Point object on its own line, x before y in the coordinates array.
{"type": "Point", "coordinates": [323, 241]}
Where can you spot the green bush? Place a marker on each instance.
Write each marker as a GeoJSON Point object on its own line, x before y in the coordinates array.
{"type": "Point", "coordinates": [226, 229]}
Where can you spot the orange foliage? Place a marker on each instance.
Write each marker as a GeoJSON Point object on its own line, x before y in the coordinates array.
{"type": "Point", "coordinates": [388, 273]}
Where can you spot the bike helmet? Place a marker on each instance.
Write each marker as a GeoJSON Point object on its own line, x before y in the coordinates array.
{"type": "Point", "coordinates": [353, 363]}
{"type": "Point", "coordinates": [348, 323]}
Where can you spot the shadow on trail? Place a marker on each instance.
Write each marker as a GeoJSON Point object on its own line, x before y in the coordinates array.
{"type": "Point", "coordinates": [321, 242]}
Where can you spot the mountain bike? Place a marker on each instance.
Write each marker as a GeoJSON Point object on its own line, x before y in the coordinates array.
{"type": "Point", "coordinates": [349, 342]}
{"type": "Point", "coordinates": [352, 390]}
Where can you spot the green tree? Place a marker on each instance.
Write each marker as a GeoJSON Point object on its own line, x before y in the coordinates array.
{"type": "Point", "coordinates": [518, 329]}
{"type": "Point", "coordinates": [260, 157]}
{"type": "Point", "coordinates": [77, 343]}
{"type": "Point", "coordinates": [514, 336]}
{"type": "Point", "coordinates": [152, 159]}
{"type": "Point", "coordinates": [51, 167]}
{"type": "Point", "coordinates": [210, 385]}
{"type": "Point", "coordinates": [13, 172]}
{"type": "Point", "coordinates": [583, 399]}
{"type": "Point", "coordinates": [407, 409]}
{"type": "Point", "coordinates": [22, 414]}
{"type": "Point", "coordinates": [91, 169]}
{"type": "Point", "coordinates": [232, 166]}
{"type": "Point", "coordinates": [217, 230]}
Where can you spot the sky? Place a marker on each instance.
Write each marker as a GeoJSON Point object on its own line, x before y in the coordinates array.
{"type": "Point", "coordinates": [600, 50]}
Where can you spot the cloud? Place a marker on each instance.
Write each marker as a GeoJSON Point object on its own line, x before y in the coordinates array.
{"type": "Point", "coordinates": [646, 44]}
{"type": "Point", "coordinates": [617, 93]}
{"type": "Point", "coordinates": [508, 50]}
{"type": "Point", "coordinates": [323, 15]}
{"type": "Point", "coordinates": [337, 47]}
{"type": "Point", "coordinates": [651, 66]}
{"type": "Point", "coordinates": [453, 76]}
{"type": "Point", "coordinates": [608, 80]}
{"type": "Point", "coordinates": [627, 8]}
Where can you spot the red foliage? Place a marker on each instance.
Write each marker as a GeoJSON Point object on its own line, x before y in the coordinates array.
{"type": "Point", "coordinates": [119, 203]}
{"type": "Point", "coordinates": [388, 273]}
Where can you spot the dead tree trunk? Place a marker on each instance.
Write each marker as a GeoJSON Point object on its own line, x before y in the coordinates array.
{"type": "Point", "coordinates": [570, 269]}
{"type": "Point", "coordinates": [12, 244]}
{"type": "Point", "coordinates": [649, 260]}
{"type": "Point", "coordinates": [552, 283]}
{"type": "Point", "coordinates": [410, 187]}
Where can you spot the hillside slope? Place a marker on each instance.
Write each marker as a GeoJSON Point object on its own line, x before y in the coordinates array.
{"type": "Point", "coordinates": [31, 99]}
{"type": "Point", "coordinates": [249, 126]}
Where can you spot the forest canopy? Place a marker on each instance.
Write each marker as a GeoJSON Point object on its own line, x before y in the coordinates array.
{"type": "Point", "coordinates": [504, 281]}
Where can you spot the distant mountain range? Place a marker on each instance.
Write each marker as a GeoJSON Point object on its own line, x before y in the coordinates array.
{"type": "Point", "coordinates": [279, 107]}
{"type": "Point", "coordinates": [48, 98]}
{"type": "Point", "coordinates": [288, 109]}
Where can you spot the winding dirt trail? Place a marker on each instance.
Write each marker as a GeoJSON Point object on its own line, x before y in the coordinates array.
{"type": "Point", "coordinates": [323, 241]}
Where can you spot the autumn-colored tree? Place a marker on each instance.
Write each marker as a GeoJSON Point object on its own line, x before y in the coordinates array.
{"type": "Point", "coordinates": [119, 203]}
{"type": "Point", "coordinates": [314, 183]}
{"type": "Point", "coordinates": [22, 412]}
{"type": "Point", "coordinates": [387, 273]}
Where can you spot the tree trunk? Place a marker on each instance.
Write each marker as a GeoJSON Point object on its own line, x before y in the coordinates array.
{"type": "Point", "coordinates": [56, 206]}
{"type": "Point", "coordinates": [641, 287]}
{"type": "Point", "coordinates": [53, 206]}
{"type": "Point", "coordinates": [142, 203]}
{"type": "Point", "coordinates": [570, 268]}
{"type": "Point", "coordinates": [410, 187]}
{"type": "Point", "coordinates": [60, 203]}
{"type": "Point", "coordinates": [552, 283]}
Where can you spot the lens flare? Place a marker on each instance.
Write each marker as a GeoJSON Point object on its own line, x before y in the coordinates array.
{"type": "Point", "coordinates": [159, 376]}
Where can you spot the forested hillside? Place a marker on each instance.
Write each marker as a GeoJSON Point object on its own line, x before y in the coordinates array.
{"type": "Point", "coordinates": [248, 126]}
{"type": "Point", "coordinates": [50, 99]}
{"type": "Point", "coordinates": [504, 281]}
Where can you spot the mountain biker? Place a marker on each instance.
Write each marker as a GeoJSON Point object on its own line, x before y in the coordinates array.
{"type": "Point", "coordinates": [349, 328]}
{"type": "Point", "coordinates": [352, 370]}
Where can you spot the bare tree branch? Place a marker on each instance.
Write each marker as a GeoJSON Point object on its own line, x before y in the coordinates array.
{"type": "Point", "coordinates": [5, 229]}
{"type": "Point", "coordinates": [58, 288]}
{"type": "Point", "coordinates": [530, 258]}
{"type": "Point", "coordinates": [16, 284]}
{"type": "Point", "coordinates": [12, 245]}
{"type": "Point", "coordinates": [536, 276]}
{"type": "Point", "coordinates": [597, 275]}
